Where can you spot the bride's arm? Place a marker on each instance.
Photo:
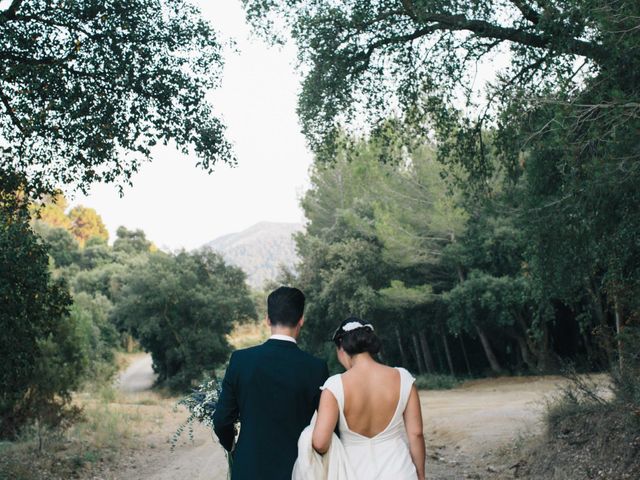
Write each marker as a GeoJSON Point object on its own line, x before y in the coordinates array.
{"type": "Point", "coordinates": [413, 424]}
{"type": "Point", "coordinates": [325, 423]}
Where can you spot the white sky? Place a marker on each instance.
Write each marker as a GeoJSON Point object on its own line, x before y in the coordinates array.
{"type": "Point", "coordinates": [179, 205]}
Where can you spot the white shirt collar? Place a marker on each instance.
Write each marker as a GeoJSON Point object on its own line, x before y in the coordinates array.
{"type": "Point", "coordinates": [286, 338]}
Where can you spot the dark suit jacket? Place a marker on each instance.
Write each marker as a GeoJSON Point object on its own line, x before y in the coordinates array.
{"type": "Point", "coordinates": [273, 389]}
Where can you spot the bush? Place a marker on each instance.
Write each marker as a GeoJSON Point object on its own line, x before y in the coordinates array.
{"type": "Point", "coordinates": [99, 337]}
{"type": "Point", "coordinates": [181, 308]}
{"type": "Point", "coordinates": [626, 377]}
{"type": "Point", "coordinates": [582, 395]}
{"type": "Point", "coordinates": [436, 382]}
{"type": "Point", "coordinates": [40, 349]}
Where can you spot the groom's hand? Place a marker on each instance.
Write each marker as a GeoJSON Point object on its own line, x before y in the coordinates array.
{"type": "Point", "coordinates": [234, 441]}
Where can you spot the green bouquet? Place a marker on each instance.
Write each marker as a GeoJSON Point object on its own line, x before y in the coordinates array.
{"type": "Point", "coordinates": [201, 404]}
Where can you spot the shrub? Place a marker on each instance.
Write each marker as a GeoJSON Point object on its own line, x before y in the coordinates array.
{"type": "Point", "coordinates": [98, 336]}
{"type": "Point", "coordinates": [181, 308]}
{"type": "Point", "coordinates": [436, 381]}
{"type": "Point", "coordinates": [40, 349]}
{"type": "Point", "coordinates": [581, 395]}
{"type": "Point", "coordinates": [626, 377]}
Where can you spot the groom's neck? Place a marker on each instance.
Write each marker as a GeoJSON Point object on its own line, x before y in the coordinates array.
{"type": "Point", "coordinates": [283, 330]}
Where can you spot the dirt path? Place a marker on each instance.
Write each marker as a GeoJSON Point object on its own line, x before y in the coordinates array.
{"type": "Point", "coordinates": [138, 376]}
{"type": "Point", "coordinates": [468, 430]}
{"type": "Point", "coordinates": [472, 429]}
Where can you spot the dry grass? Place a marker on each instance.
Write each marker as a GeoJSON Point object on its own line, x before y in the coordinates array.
{"type": "Point", "coordinates": [248, 334]}
{"type": "Point", "coordinates": [113, 428]}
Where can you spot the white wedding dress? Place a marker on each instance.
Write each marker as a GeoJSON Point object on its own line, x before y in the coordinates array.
{"type": "Point", "coordinates": [385, 456]}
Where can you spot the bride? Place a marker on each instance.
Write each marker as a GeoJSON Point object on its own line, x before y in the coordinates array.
{"type": "Point", "coordinates": [376, 408]}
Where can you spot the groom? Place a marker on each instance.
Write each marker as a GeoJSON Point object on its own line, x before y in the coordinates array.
{"type": "Point", "coordinates": [273, 389]}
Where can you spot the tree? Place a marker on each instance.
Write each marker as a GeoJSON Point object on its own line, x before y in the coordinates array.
{"type": "Point", "coordinates": [88, 87]}
{"type": "Point", "coordinates": [86, 224]}
{"type": "Point", "coordinates": [181, 307]}
{"type": "Point", "coordinates": [52, 211]}
{"type": "Point", "coordinates": [341, 259]}
{"type": "Point", "coordinates": [362, 53]}
{"type": "Point", "coordinates": [62, 246]}
{"type": "Point", "coordinates": [98, 335]}
{"type": "Point", "coordinates": [40, 349]}
{"type": "Point", "coordinates": [131, 241]}
{"type": "Point", "coordinates": [558, 126]}
{"type": "Point", "coordinates": [485, 306]}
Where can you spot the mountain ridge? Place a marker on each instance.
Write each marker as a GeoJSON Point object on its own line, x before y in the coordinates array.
{"type": "Point", "coordinates": [259, 250]}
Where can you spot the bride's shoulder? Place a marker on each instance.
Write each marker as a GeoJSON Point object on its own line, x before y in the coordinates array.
{"type": "Point", "coordinates": [332, 382]}
{"type": "Point", "coordinates": [405, 373]}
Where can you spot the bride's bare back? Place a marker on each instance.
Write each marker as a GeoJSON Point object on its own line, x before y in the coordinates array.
{"type": "Point", "coordinates": [371, 396]}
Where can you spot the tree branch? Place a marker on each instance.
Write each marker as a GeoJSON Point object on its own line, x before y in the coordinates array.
{"type": "Point", "coordinates": [75, 27]}
{"type": "Point", "coordinates": [10, 12]}
{"type": "Point", "coordinates": [531, 67]}
{"type": "Point", "coordinates": [484, 29]}
{"type": "Point", "coordinates": [403, 38]}
{"type": "Point", "coordinates": [408, 8]}
{"type": "Point", "coordinates": [38, 61]}
{"type": "Point", "coordinates": [527, 11]}
{"type": "Point", "coordinates": [14, 118]}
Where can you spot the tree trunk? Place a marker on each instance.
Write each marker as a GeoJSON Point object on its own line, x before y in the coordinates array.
{"type": "Point", "coordinates": [599, 310]}
{"type": "Point", "coordinates": [447, 352]}
{"type": "Point", "coordinates": [460, 273]}
{"type": "Point", "coordinates": [426, 351]}
{"type": "Point", "coordinates": [546, 360]}
{"type": "Point", "coordinates": [619, 323]}
{"type": "Point", "coordinates": [439, 361]}
{"type": "Point", "coordinates": [464, 354]}
{"type": "Point", "coordinates": [416, 348]}
{"type": "Point", "coordinates": [488, 351]}
{"type": "Point", "coordinates": [587, 347]}
{"type": "Point", "coordinates": [523, 347]}
{"type": "Point", "coordinates": [403, 355]}
{"type": "Point", "coordinates": [532, 348]}
{"type": "Point", "coordinates": [524, 351]}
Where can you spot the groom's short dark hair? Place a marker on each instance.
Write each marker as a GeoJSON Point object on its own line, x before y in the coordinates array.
{"type": "Point", "coordinates": [285, 306]}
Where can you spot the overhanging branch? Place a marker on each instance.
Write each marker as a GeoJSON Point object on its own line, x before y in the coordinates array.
{"type": "Point", "coordinates": [485, 29]}
{"type": "Point", "coordinates": [527, 11]}
{"type": "Point", "coordinates": [37, 61]}
{"type": "Point", "coordinates": [12, 114]}
{"type": "Point", "coordinates": [10, 12]}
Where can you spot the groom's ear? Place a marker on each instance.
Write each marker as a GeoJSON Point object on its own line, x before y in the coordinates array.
{"type": "Point", "coordinates": [301, 321]}
{"type": "Point", "coordinates": [267, 320]}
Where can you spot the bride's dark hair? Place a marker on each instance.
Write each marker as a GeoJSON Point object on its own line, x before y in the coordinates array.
{"type": "Point", "coordinates": [356, 336]}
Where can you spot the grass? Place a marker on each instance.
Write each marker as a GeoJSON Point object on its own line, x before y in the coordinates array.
{"type": "Point", "coordinates": [248, 334]}
{"type": "Point", "coordinates": [111, 426]}
{"type": "Point", "coordinates": [436, 381]}
{"type": "Point", "coordinates": [593, 427]}
{"type": "Point", "coordinates": [102, 435]}
{"type": "Point", "coordinates": [581, 396]}
{"type": "Point", "coordinates": [106, 428]}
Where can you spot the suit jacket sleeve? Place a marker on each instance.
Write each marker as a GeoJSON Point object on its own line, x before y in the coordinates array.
{"type": "Point", "coordinates": [324, 374]}
{"type": "Point", "coordinates": [227, 410]}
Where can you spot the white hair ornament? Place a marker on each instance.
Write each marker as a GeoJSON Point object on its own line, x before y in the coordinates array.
{"type": "Point", "coordinates": [348, 327]}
